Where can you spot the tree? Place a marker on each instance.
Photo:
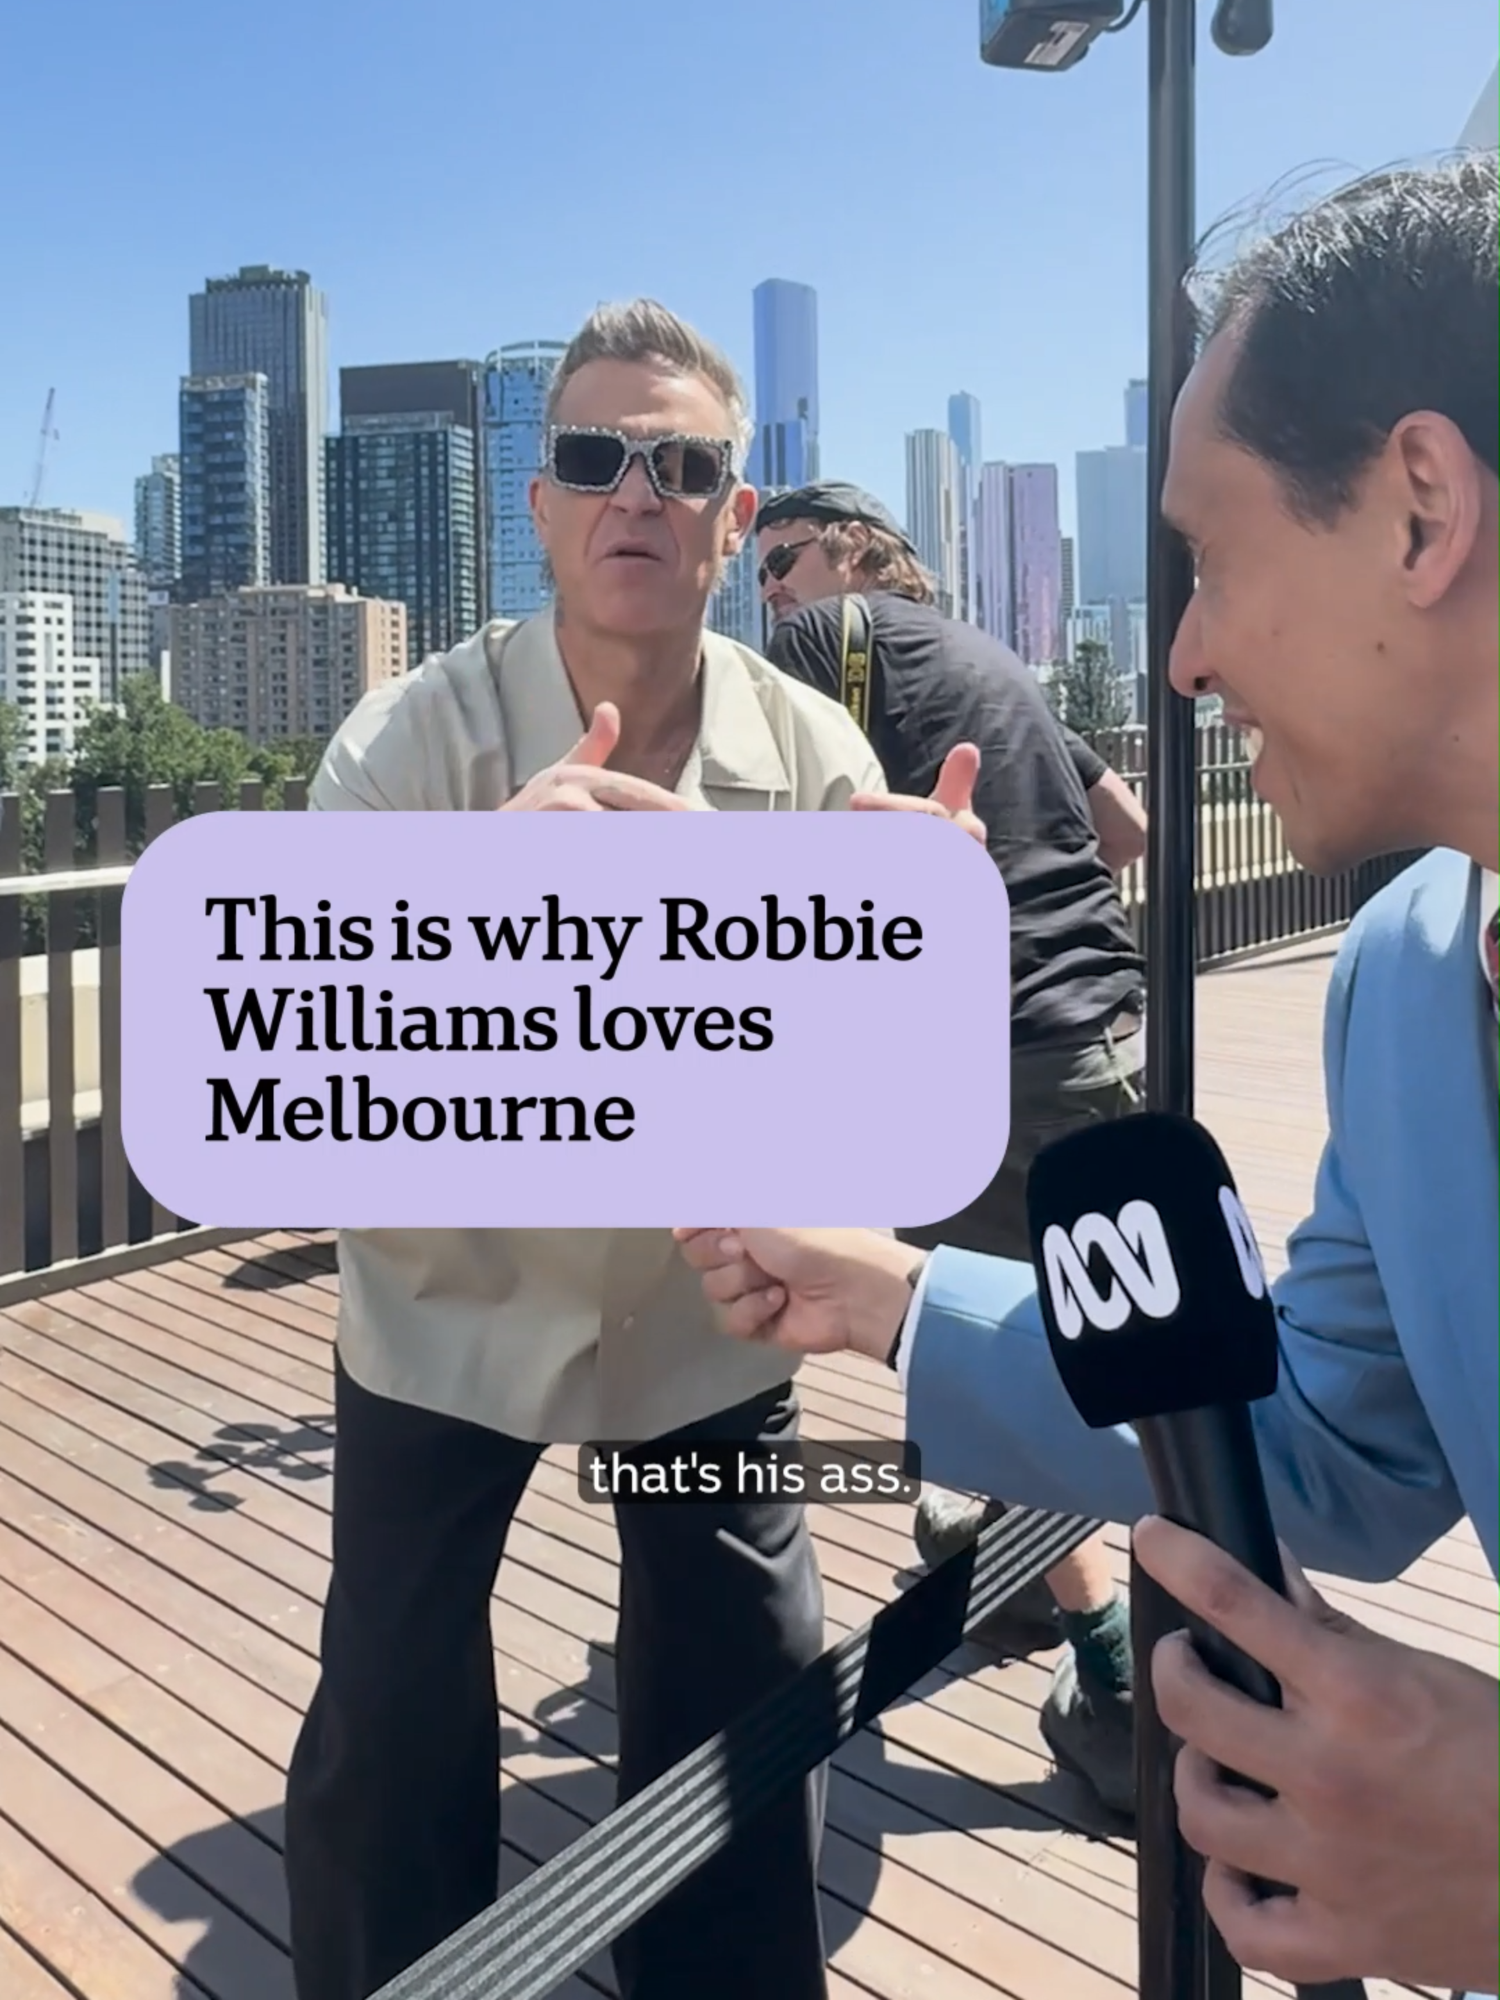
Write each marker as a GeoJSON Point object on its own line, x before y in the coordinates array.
{"type": "Point", "coordinates": [13, 734]}
{"type": "Point", "coordinates": [1087, 694]}
{"type": "Point", "coordinates": [148, 741]}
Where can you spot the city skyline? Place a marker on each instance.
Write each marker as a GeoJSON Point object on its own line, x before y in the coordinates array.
{"type": "Point", "coordinates": [996, 257]}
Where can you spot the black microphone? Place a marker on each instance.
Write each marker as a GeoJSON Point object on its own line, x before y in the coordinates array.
{"type": "Point", "coordinates": [1159, 1315]}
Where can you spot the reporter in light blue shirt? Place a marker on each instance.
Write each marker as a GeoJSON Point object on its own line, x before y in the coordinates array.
{"type": "Point", "coordinates": [1334, 471]}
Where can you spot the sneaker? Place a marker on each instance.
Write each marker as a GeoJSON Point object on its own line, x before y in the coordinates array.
{"type": "Point", "coordinates": [948, 1522]}
{"type": "Point", "coordinates": [1092, 1734]}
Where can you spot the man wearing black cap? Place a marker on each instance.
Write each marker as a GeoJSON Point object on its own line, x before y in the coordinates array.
{"type": "Point", "coordinates": [841, 538]}
{"type": "Point", "coordinates": [1077, 979]}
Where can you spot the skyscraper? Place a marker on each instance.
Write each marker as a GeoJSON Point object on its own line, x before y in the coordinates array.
{"type": "Point", "coordinates": [226, 483]}
{"type": "Point", "coordinates": [1112, 525]}
{"type": "Point", "coordinates": [404, 487]}
{"type": "Point", "coordinates": [275, 324]}
{"type": "Point", "coordinates": [785, 451]}
{"type": "Point", "coordinates": [42, 674]}
{"type": "Point", "coordinates": [1020, 560]}
{"type": "Point", "coordinates": [1036, 563]}
{"type": "Point", "coordinates": [158, 521]}
{"type": "Point", "coordinates": [964, 429]}
{"type": "Point", "coordinates": [454, 389]}
{"type": "Point", "coordinates": [1137, 415]}
{"type": "Point", "coordinates": [932, 510]}
{"type": "Point", "coordinates": [1069, 574]}
{"type": "Point", "coordinates": [516, 381]}
{"type": "Point", "coordinates": [995, 609]}
{"type": "Point", "coordinates": [85, 557]}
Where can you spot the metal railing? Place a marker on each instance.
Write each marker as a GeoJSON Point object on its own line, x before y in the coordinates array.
{"type": "Point", "coordinates": [67, 1194]}
{"type": "Point", "coordinates": [1251, 894]}
{"type": "Point", "coordinates": [69, 1202]}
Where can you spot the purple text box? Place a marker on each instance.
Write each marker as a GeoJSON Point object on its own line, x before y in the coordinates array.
{"type": "Point", "coordinates": [882, 1097]}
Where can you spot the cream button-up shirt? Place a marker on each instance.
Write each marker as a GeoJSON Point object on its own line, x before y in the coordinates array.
{"type": "Point", "coordinates": [560, 1336]}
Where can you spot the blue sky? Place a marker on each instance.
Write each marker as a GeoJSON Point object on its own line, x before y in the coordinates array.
{"type": "Point", "coordinates": [458, 175]}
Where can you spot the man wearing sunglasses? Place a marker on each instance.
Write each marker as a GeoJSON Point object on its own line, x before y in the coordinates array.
{"type": "Point", "coordinates": [1077, 989]}
{"type": "Point", "coordinates": [848, 541]}
{"type": "Point", "coordinates": [464, 1354]}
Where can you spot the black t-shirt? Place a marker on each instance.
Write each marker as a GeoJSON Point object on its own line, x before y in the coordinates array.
{"type": "Point", "coordinates": [937, 683]}
{"type": "Point", "coordinates": [1087, 762]}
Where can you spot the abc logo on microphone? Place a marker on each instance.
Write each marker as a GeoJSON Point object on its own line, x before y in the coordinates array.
{"type": "Point", "coordinates": [1151, 1283]}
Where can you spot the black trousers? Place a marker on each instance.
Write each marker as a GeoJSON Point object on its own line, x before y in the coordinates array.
{"type": "Point", "coordinates": [393, 1805]}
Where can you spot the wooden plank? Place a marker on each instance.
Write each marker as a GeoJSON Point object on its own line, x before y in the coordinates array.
{"type": "Point", "coordinates": [23, 1977]}
{"type": "Point", "coordinates": [240, 1782]}
{"type": "Point", "coordinates": [152, 1649]}
{"type": "Point", "coordinates": [164, 1515]}
{"type": "Point", "coordinates": [76, 1933]}
{"type": "Point", "coordinates": [242, 1871]}
{"type": "Point", "coordinates": [148, 1891]}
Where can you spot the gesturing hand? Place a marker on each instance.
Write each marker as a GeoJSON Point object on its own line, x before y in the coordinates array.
{"type": "Point", "coordinates": [1383, 1762]}
{"type": "Point", "coordinates": [580, 783]}
{"type": "Point", "coordinates": [811, 1290]}
{"type": "Point", "coordinates": [952, 795]}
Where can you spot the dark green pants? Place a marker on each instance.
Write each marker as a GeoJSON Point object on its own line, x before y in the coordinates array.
{"type": "Point", "coordinates": [1054, 1091]}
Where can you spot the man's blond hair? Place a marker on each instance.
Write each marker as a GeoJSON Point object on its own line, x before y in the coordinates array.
{"type": "Point", "coordinates": [643, 331]}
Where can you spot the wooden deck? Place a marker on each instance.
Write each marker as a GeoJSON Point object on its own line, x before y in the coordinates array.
{"type": "Point", "coordinates": [165, 1450]}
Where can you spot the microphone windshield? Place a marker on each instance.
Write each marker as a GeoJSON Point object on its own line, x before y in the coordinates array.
{"type": "Point", "coordinates": [1151, 1283]}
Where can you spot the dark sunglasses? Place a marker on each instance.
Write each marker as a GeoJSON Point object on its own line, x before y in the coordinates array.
{"type": "Point", "coordinates": [782, 560]}
{"type": "Point", "coordinates": [679, 468]}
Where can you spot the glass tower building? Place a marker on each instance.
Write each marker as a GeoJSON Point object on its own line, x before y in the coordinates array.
{"type": "Point", "coordinates": [406, 496]}
{"type": "Point", "coordinates": [275, 324]}
{"type": "Point", "coordinates": [964, 429]}
{"type": "Point", "coordinates": [158, 521]}
{"type": "Point", "coordinates": [401, 523]}
{"type": "Point", "coordinates": [226, 487]}
{"type": "Point", "coordinates": [516, 381]}
{"type": "Point", "coordinates": [785, 450]}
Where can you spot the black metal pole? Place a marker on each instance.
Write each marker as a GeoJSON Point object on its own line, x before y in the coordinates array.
{"type": "Point", "coordinates": [1174, 1946]}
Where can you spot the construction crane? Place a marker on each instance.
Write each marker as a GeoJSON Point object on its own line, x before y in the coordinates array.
{"type": "Point", "coordinates": [47, 436]}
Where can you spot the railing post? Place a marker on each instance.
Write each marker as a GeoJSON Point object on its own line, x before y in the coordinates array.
{"type": "Point", "coordinates": [59, 853]}
{"type": "Point", "coordinates": [114, 1172]}
{"type": "Point", "coordinates": [12, 1144]}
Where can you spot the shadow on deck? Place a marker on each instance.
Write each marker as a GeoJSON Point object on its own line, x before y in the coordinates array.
{"type": "Point", "coordinates": [165, 1458]}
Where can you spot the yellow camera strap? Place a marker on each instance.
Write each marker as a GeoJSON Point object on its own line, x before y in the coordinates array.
{"type": "Point", "coordinates": [856, 660]}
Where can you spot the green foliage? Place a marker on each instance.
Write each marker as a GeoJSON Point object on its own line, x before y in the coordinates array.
{"type": "Point", "coordinates": [146, 742]}
{"type": "Point", "coordinates": [1087, 694]}
{"type": "Point", "coordinates": [149, 741]}
{"type": "Point", "coordinates": [12, 742]}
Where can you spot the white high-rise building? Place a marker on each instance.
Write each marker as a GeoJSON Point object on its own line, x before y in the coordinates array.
{"type": "Point", "coordinates": [934, 507]}
{"type": "Point", "coordinates": [86, 557]}
{"type": "Point", "coordinates": [41, 673]}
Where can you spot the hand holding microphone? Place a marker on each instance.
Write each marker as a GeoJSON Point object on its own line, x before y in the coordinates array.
{"type": "Point", "coordinates": [1158, 1314]}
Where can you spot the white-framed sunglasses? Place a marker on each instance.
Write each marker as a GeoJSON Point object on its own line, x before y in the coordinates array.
{"type": "Point", "coordinates": [585, 459]}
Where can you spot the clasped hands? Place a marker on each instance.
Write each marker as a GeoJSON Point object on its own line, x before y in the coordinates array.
{"type": "Point", "coordinates": [581, 782]}
{"type": "Point", "coordinates": [1381, 1764]}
